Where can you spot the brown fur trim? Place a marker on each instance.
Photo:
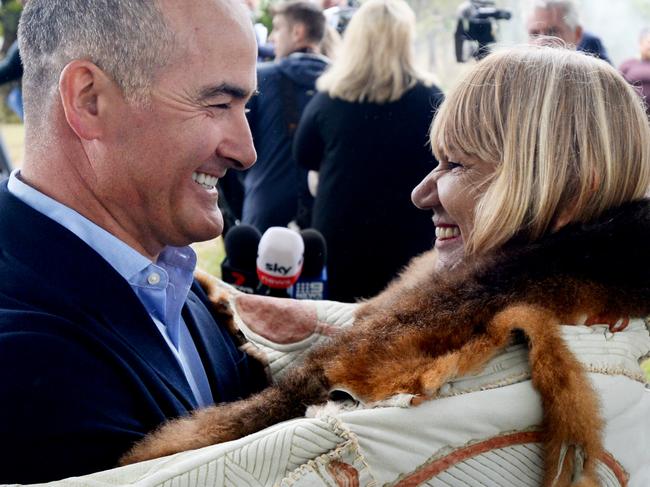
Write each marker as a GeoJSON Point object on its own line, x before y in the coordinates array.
{"type": "Point", "coordinates": [219, 297]}
{"type": "Point", "coordinates": [429, 327]}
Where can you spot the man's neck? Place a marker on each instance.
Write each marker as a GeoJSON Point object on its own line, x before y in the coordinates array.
{"type": "Point", "coordinates": [80, 198]}
{"type": "Point", "coordinates": [307, 49]}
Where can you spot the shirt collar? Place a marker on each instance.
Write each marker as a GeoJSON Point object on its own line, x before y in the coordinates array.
{"type": "Point", "coordinates": [127, 261]}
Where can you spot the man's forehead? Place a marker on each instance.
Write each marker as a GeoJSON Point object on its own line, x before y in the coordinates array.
{"type": "Point", "coordinates": [546, 16]}
{"type": "Point", "coordinates": [205, 28]}
{"type": "Point", "coordinates": [219, 14]}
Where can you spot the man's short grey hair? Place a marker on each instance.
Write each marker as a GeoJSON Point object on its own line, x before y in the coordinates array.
{"type": "Point", "coordinates": [567, 7]}
{"type": "Point", "coordinates": [128, 39]}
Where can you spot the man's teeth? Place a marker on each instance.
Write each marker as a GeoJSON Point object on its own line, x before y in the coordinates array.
{"type": "Point", "coordinates": [205, 180]}
{"type": "Point", "coordinates": [447, 232]}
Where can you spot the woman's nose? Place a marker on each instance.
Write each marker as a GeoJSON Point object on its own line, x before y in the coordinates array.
{"type": "Point", "coordinates": [425, 194]}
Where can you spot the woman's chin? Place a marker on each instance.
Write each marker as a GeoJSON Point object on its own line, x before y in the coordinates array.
{"type": "Point", "coordinates": [451, 252]}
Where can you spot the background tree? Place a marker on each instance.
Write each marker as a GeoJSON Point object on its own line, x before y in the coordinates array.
{"type": "Point", "coordinates": [9, 15]}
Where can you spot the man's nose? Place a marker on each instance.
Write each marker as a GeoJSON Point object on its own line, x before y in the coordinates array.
{"type": "Point", "coordinates": [425, 194]}
{"type": "Point", "coordinates": [238, 145]}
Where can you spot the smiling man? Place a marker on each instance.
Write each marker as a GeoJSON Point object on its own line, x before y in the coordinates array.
{"type": "Point", "coordinates": [133, 111]}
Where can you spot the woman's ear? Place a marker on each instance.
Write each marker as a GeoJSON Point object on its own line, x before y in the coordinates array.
{"type": "Point", "coordinates": [84, 89]}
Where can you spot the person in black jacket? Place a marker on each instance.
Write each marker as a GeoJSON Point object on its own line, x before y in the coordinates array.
{"type": "Point", "coordinates": [275, 189]}
{"type": "Point", "coordinates": [132, 114]}
{"type": "Point", "coordinates": [366, 133]}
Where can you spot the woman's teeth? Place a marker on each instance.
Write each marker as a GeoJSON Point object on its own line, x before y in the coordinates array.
{"type": "Point", "coordinates": [447, 232]}
{"type": "Point", "coordinates": [205, 180]}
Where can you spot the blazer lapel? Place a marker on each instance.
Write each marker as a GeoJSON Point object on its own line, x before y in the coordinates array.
{"type": "Point", "coordinates": [216, 348]}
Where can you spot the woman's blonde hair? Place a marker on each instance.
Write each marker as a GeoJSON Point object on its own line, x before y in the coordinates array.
{"type": "Point", "coordinates": [569, 137]}
{"type": "Point", "coordinates": [376, 60]}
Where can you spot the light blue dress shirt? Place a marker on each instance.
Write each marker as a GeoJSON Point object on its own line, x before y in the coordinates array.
{"type": "Point", "coordinates": [162, 287]}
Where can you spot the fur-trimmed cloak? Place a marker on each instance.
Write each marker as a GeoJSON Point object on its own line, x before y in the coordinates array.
{"type": "Point", "coordinates": [427, 328]}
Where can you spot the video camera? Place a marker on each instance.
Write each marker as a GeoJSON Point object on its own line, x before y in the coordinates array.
{"type": "Point", "coordinates": [475, 24]}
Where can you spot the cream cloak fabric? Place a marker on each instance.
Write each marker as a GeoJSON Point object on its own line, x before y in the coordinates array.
{"type": "Point", "coordinates": [482, 432]}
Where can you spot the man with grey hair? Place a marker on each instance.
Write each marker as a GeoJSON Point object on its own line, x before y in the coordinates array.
{"type": "Point", "coordinates": [559, 18]}
{"type": "Point", "coordinates": [133, 110]}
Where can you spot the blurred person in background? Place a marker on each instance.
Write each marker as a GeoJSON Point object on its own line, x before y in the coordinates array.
{"type": "Point", "coordinates": [275, 189]}
{"type": "Point", "coordinates": [560, 18]}
{"type": "Point", "coordinates": [366, 134]}
{"type": "Point", "coordinates": [331, 43]}
{"type": "Point", "coordinates": [339, 12]}
{"type": "Point", "coordinates": [11, 69]}
{"type": "Point", "coordinates": [637, 71]}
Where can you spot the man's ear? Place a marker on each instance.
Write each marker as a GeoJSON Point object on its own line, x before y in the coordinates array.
{"type": "Point", "coordinates": [578, 34]}
{"type": "Point", "coordinates": [298, 33]}
{"type": "Point", "coordinates": [85, 89]}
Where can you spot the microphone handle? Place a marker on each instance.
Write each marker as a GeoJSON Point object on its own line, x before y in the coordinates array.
{"type": "Point", "coordinates": [273, 292]}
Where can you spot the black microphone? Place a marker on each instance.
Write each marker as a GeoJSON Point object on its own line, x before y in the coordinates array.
{"type": "Point", "coordinates": [238, 268]}
{"type": "Point", "coordinates": [312, 283]}
{"type": "Point", "coordinates": [279, 261]}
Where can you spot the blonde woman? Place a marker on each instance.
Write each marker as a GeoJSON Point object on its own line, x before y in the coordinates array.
{"type": "Point", "coordinates": [366, 133]}
{"type": "Point", "coordinates": [540, 205]}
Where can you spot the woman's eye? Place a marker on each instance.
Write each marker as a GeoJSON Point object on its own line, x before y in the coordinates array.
{"type": "Point", "coordinates": [453, 165]}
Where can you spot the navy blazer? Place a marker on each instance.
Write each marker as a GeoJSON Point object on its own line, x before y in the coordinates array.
{"type": "Point", "coordinates": [84, 372]}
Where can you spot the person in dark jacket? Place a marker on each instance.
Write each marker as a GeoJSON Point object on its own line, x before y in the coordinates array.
{"type": "Point", "coordinates": [132, 114]}
{"type": "Point", "coordinates": [366, 133]}
{"type": "Point", "coordinates": [592, 44]}
{"type": "Point", "coordinates": [11, 69]}
{"type": "Point", "coordinates": [275, 189]}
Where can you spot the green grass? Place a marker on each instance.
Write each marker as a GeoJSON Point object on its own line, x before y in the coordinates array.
{"type": "Point", "coordinates": [13, 138]}
{"type": "Point", "coordinates": [209, 255]}
{"type": "Point", "coordinates": [646, 367]}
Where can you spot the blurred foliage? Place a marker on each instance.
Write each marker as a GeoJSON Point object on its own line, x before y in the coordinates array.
{"type": "Point", "coordinates": [9, 15]}
{"type": "Point", "coordinates": [643, 7]}
{"type": "Point", "coordinates": [265, 16]}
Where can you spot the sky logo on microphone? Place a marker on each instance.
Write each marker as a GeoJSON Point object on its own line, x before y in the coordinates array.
{"type": "Point", "coordinates": [279, 260]}
{"type": "Point", "coordinates": [275, 267]}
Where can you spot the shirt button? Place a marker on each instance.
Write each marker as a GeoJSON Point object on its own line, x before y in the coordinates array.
{"type": "Point", "coordinates": [154, 278]}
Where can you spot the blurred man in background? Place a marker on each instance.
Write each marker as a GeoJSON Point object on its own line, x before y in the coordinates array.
{"type": "Point", "coordinates": [275, 188]}
{"type": "Point", "coordinates": [559, 18]}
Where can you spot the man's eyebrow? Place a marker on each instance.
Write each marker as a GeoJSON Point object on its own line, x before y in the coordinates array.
{"type": "Point", "coordinates": [224, 89]}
